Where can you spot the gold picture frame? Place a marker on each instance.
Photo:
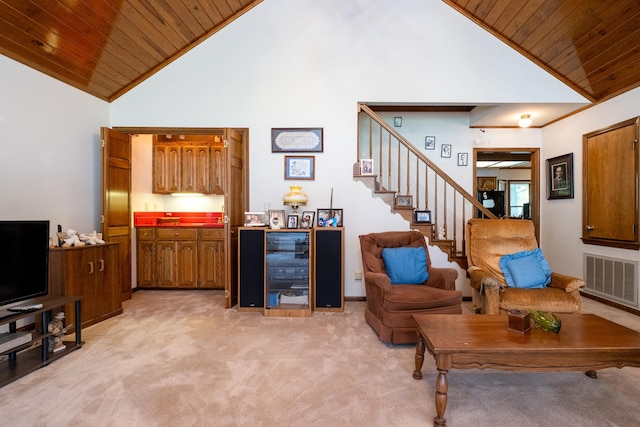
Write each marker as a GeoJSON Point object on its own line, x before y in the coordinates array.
{"type": "Point", "coordinates": [487, 183]}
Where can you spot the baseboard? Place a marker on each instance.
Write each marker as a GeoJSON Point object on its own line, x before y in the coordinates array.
{"type": "Point", "coordinates": [611, 303]}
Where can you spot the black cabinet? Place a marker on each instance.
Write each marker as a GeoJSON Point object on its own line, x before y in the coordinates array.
{"type": "Point", "coordinates": [251, 269]}
{"type": "Point", "coordinates": [307, 262]}
{"type": "Point", "coordinates": [329, 269]}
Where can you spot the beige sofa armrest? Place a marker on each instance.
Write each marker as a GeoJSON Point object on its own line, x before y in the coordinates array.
{"type": "Point", "coordinates": [442, 277]}
{"type": "Point", "coordinates": [488, 290]}
{"type": "Point", "coordinates": [568, 283]}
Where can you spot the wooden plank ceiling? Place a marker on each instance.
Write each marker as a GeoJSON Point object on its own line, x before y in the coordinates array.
{"type": "Point", "coordinates": [591, 45]}
{"type": "Point", "coordinates": [106, 47]}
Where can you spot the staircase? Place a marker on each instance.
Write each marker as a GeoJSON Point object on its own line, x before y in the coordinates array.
{"type": "Point", "coordinates": [408, 181]}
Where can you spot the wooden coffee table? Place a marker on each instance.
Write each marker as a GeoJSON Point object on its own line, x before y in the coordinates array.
{"type": "Point", "coordinates": [586, 342]}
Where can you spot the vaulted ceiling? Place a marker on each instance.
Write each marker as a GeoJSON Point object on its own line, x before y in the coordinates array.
{"type": "Point", "coordinates": [591, 45]}
{"type": "Point", "coordinates": [107, 47]}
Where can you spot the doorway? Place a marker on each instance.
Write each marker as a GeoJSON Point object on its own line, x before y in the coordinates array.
{"type": "Point", "coordinates": [517, 166]}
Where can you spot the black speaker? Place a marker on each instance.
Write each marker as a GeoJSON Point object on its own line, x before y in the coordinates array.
{"type": "Point", "coordinates": [328, 269]}
{"type": "Point", "coordinates": [251, 261]}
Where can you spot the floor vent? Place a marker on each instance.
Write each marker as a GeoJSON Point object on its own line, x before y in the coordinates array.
{"type": "Point", "coordinates": [612, 278]}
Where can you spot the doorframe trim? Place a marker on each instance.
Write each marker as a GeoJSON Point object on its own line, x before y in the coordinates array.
{"type": "Point", "coordinates": [535, 177]}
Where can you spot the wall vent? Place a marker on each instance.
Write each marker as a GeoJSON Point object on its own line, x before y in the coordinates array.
{"type": "Point", "coordinates": [612, 278]}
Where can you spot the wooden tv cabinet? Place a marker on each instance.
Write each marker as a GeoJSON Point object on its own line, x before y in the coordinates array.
{"type": "Point", "coordinates": [26, 358]}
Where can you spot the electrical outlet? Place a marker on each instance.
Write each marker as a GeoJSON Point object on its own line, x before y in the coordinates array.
{"type": "Point", "coordinates": [358, 275]}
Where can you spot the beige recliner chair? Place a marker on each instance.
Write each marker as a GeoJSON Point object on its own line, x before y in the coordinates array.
{"type": "Point", "coordinates": [490, 239]}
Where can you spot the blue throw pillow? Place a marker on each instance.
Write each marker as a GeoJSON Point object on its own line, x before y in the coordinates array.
{"type": "Point", "coordinates": [406, 265]}
{"type": "Point", "coordinates": [527, 269]}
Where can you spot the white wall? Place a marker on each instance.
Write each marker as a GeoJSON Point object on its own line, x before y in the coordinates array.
{"type": "Point", "coordinates": [307, 63]}
{"type": "Point", "coordinates": [286, 63]}
{"type": "Point", "coordinates": [561, 220]}
{"type": "Point", "coordinates": [49, 160]}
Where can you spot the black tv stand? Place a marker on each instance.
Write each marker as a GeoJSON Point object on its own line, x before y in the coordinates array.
{"type": "Point", "coordinates": [26, 358]}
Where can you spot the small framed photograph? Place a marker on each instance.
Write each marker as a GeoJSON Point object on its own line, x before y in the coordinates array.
{"type": "Point", "coordinates": [307, 219]}
{"type": "Point", "coordinates": [299, 167]}
{"type": "Point", "coordinates": [276, 219]}
{"type": "Point", "coordinates": [254, 219]}
{"type": "Point", "coordinates": [336, 218]}
{"type": "Point", "coordinates": [292, 221]}
{"type": "Point", "coordinates": [445, 150]}
{"type": "Point", "coordinates": [404, 201]}
{"type": "Point", "coordinates": [297, 140]}
{"type": "Point", "coordinates": [463, 159]}
{"type": "Point", "coordinates": [366, 166]}
{"type": "Point", "coordinates": [560, 177]}
{"type": "Point", "coordinates": [397, 122]}
{"type": "Point", "coordinates": [422, 217]}
{"type": "Point", "coordinates": [487, 183]}
{"type": "Point", "coordinates": [324, 215]}
{"type": "Point", "coordinates": [429, 142]}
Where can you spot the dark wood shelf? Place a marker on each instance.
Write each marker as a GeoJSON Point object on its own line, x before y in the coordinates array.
{"type": "Point", "coordinates": [34, 355]}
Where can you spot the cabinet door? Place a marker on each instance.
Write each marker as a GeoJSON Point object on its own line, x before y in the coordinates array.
{"type": "Point", "coordinates": [217, 169]}
{"type": "Point", "coordinates": [107, 280]}
{"type": "Point", "coordinates": [167, 256]}
{"type": "Point", "coordinates": [212, 264]}
{"type": "Point", "coordinates": [203, 170]}
{"type": "Point", "coordinates": [188, 160]}
{"type": "Point", "coordinates": [173, 169]}
{"type": "Point", "coordinates": [187, 274]}
{"type": "Point", "coordinates": [160, 175]}
{"type": "Point", "coordinates": [145, 256]}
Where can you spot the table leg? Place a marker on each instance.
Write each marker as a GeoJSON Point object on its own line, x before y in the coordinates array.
{"type": "Point", "coordinates": [442, 385]}
{"type": "Point", "coordinates": [417, 374]}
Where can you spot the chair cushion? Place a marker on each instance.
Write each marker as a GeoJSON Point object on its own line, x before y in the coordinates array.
{"type": "Point", "coordinates": [420, 298]}
{"type": "Point", "coordinates": [526, 269]}
{"type": "Point", "coordinates": [405, 265]}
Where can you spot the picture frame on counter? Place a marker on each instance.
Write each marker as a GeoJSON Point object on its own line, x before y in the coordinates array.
{"type": "Point", "coordinates": [255, 219]}
{"type": "Point", "coordinates": [276, 219]}
{"type": "Point", "coordinates": [422, 217]}
{"type": "Point", "coordinates": [307, 219]}
{"type": "Point", "coordinates": [292, 221]}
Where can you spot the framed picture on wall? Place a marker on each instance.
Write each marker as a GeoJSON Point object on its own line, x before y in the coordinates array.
{"type": "Point", "coordinates": [445, 150]}
{"type": "Point", "coordinates": [429, 142]}
{"type": "Point", "coordinates": [487, 183]}
{"type": "Point", "coordinates": [299, 167]}
{"type": "Point", "coordinates": [560, 177]}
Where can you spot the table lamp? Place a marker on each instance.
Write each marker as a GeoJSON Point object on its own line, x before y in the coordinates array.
{"type": "Point", "coordinates": [295, 198]}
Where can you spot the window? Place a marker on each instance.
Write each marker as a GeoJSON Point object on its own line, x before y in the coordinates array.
{"type": "Point", "coordinates": [519, 198]}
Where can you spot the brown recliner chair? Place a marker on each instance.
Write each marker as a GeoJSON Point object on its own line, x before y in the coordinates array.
{"type": "Point", "coordinates": [488, 240]}
{"type": "Point", "coordinates": [389, 307]}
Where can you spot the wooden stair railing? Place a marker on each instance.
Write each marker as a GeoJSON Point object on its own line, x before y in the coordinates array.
{"type": "Point", "coordinates": [401, 172]}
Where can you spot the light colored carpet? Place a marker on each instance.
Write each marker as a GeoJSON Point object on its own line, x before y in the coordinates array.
{"type": "Point", "coordinates": [180, 359]}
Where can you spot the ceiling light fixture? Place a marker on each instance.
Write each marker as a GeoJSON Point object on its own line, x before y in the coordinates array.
{"type": "Point", "coordinates": [525, 121]}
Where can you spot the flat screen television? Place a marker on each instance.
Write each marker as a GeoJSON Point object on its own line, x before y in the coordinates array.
{"type": "Point", "coordinates": [24, 260]}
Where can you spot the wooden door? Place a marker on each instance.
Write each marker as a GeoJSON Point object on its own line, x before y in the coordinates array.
{"type": "Point", "coordinates": [217, 169]}
{"type": "Point", "coordinates": [187, 267]}
{"type": "Point", "coordinates": [202, 169]}
{"type": "Point", "coordinates": [167, 263]}
{"type": "Point", "coordinates": [115, 209]}
{"type": "Point", "coordinates": [108, 292]}
{"type": "Point", "coordinates": [189, 172]}
{"type": "Point", "coordinates": [236, 201]}
{"type": "Point", "coordinates": [610, 199]}
{"type": "Point", "coordinates": [211, 264]}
